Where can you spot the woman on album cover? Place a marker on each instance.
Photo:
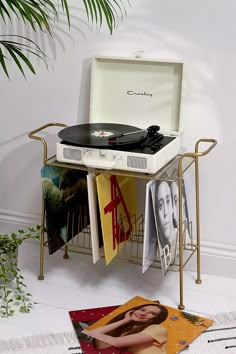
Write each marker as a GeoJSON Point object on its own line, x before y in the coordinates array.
{"type": "Point", "coordinates": [164, 217]}
{"type": "Point", "coordinates": [137, 331]}
{"type": "Point", "coordinates": [185, 215]}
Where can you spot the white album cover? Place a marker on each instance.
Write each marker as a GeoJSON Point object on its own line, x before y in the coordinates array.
{"type": "Point", "coordinates": [95, 223]}
{"type": "Point", "coordinates": [165, 199]}
{"type": "Point", "coordinates": [164, 220]}
{"type": "Point", "coordinates": [150, 240]}
{"type": "Point", "coordinates": [187, 234]}
{"type": "Point", "coordinates": [186, 222]}
{"type": "Point", "coordinates": [171, 173]}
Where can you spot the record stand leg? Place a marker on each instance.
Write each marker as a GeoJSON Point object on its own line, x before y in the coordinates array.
{"type": "Point", "coordinates": [66, 256]}
{"type": "Point", "coordinates": [180, 206]}
{"type": "Point", "coordinates": [43, 230]}
{"type": "Point", "coordinates": [198, 280]}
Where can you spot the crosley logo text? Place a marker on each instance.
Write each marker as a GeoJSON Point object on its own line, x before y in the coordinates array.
{"type": "Point", "coordinates": [131, 93]}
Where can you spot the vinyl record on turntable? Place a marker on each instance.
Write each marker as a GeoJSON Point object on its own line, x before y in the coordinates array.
{"type": "Point", "coordinates": [102, 135]}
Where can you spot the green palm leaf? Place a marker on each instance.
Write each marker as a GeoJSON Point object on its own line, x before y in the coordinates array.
{"type": "Point", "coordinates": [4, 11]}
{"type": "Point", "coordinates": [66, 10]}
{"type": "Point", "coordinates": [111, 10]}
{"type": "Point", "coordinates": [31, 11]}
{"type": "Point", "coordinates": [3, 63]}
{"type": "Point", "coordinates": [15, 50]}
{"type": "Point", "coordinates": [42, 14]}
{"type": "Point", "coordinates": [15, 53]}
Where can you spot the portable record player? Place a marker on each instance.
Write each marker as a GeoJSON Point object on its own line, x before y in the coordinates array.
{"type": "Point", "coordinates": [135, 116]}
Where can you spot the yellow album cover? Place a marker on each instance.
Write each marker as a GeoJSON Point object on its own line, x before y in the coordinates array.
{"type": "Point", "coordinates": [118, 209]}
{"type": "Point", "coordinates": [142, 326]}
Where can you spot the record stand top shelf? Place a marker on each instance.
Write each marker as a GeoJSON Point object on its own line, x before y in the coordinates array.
{"type": "Point", "coordinates": [172, 171]}
{"type": "Point", "coordinates": [168, 172]}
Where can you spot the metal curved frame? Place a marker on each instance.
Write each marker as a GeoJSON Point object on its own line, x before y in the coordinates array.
{"type": "Point", "coordinates": [193, 155]}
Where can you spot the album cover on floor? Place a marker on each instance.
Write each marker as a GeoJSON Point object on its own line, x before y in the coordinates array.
{"type": "Point", "coordinates": [117, 205]}
{"type": "Point", "coordinates": [139, 326]}
{"type": "Point", "coordinates": [81, 319]}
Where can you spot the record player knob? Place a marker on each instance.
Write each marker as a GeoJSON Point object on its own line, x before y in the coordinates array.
{"type": "Point", "coordinates": [153, 129]}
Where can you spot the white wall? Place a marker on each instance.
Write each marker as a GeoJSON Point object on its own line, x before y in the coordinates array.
{"type": "Point", "coordinates": [201, 33]}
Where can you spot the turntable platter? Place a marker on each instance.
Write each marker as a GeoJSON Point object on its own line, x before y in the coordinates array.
{"type": "Point", "coordinates": [102, 135]}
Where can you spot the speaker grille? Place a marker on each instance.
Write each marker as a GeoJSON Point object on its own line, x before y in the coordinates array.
{"type": "Point", "coordinates": [137, 162]}
{"type": "Point", "coordinates": [72, 154]}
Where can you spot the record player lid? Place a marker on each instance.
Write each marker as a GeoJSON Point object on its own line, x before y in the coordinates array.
{"type": "Point", "coordinates": [138, 92]}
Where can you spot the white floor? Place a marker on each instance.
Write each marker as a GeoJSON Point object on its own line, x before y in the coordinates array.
{"type": "Point", "coordinates": [76, 284]}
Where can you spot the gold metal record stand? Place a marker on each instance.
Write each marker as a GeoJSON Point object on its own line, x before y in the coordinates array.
{"type": "Point", "coordinates": [133, 252]}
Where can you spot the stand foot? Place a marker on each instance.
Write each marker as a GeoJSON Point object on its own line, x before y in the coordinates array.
{"type": "Point", "coordinates": [65, 256]}
{"type": "Point", "coordinates": [198, 281]}
{"type": "Point", "coordinates": [181, 307]}
{"type": "Point", "coordinates": [40, 277]}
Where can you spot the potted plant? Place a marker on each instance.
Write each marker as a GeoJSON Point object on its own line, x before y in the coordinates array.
{"type": "Point", "coordinates": [13, 291]}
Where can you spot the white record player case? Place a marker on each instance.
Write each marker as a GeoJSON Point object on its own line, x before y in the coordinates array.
{"type": "Point", "coordinates": [138, 92]}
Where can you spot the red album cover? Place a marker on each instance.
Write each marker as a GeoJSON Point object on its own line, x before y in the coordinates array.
{"type": "Point", "coordinates": [81, 319]}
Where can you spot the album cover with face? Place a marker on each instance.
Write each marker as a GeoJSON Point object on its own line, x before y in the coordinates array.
{"type": "Point", "coordinates": [167, 233]}
{"type": "Point", "coordinates": [171, 174]}
{"type": "Point", "coordinates": [139, 326]}
{"type": "Point", "coordinates": [186, 222]}
{"type": "Point", "coordinates": [150, 239]}
{"type": "Point", "coordinates": [165, 199]}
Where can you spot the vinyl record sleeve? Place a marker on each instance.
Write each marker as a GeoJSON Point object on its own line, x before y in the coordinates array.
{"type": "Point", "coordinates": [150, 244]}
{"type": "Point", "coordinates": [118, 205]}
{"type": "Point", "coordinates": [167, 233]}
{"type": "Point", "coordinates": [66, 201]}
{"type": "Point", "coordinates": [169, 330]}
{"type": "Point", "coordinates": [187, 223]}
{"type": "Point", "coordinates": [94, 216]}
{"type": "Point", "coordinates": [165, 198]}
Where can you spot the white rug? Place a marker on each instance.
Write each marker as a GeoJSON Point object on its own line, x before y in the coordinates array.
{"type": "Point", "coordinates": [220, 338]}
{"type": "Point", "coordinates": [60, 343]}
